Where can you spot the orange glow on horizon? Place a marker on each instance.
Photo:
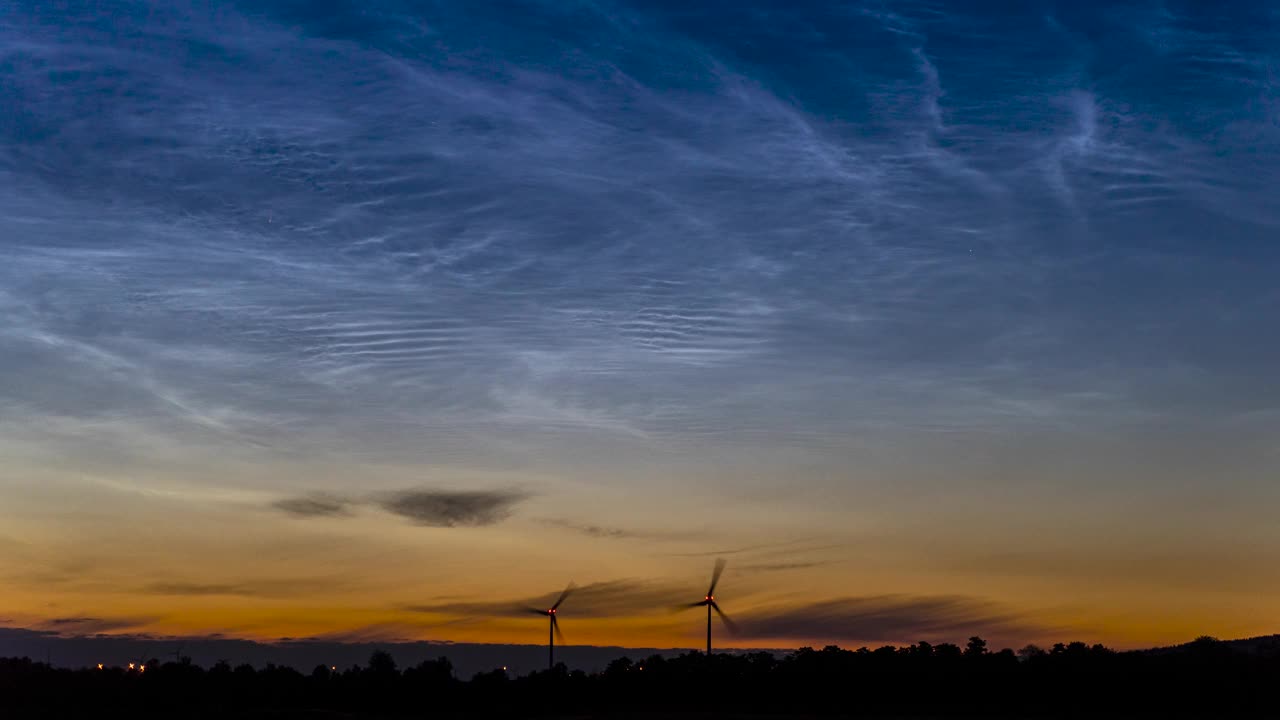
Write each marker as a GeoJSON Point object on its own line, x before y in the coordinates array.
{"type": "Point", "coordinates": [296, 581]}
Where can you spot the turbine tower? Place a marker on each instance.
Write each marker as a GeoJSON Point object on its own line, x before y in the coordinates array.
{"type": "Point", "coordinates": [710, 602]}
{"type": "Point", "coordinates": [554, 631]}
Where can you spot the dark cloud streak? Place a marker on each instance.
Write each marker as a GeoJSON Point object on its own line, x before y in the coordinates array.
{"type": "Point", "coordinates": [889, 618]}
{"type": "Point", "coordinates": [421, 506]}
{"type": "Point", "coordinates": [593, 531]}
{"type": "Point", "coordinates": [84, 625]}
{"type": "Point", "coordinates": [442, 508]}
{"type": "Point", "coordinates": [314, 506]}
{"type": "Point", "coordinates": [253, 588]}
{"type": "Point", "coordinates": [780, 567]}
{"type": "Point", "coordinates": [618, 598]}
{"type": "Point", "coordinates": [607, 532]}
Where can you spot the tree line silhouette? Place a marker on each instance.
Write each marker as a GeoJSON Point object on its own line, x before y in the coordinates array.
{"type": "Point", "coordinates": [1203, 678]}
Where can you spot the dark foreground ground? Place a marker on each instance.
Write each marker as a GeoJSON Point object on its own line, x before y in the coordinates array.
{"type": "Point", "coordinates": [1203, 679]}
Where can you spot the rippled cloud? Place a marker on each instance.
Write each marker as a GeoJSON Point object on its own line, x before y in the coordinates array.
{"type": "Point", "coordinates": [379, 226]}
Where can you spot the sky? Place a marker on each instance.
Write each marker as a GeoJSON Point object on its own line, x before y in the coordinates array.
{"type": "Point", "coordinates": [380, 321]}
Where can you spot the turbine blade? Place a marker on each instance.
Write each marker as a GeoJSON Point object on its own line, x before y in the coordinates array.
{"type": "Point", "coordinates": [536, 611]}
{"type": "Point", "coordinates": [715, 576]}
{"type": "Point", "coordinates": [568, 590]}
{"type": "Point", "coordinates": [729, 624]}
{"type": "Point", "coordinates": [555, 625]}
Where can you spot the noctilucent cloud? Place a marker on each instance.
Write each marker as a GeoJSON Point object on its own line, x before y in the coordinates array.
{"type": "Point", "coordinates": [375, 320]}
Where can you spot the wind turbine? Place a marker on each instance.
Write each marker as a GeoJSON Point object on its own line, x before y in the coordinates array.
{"type": "Point", "coordinates": [554, 631]}
{"type": "Point", "coordinates": [710, 602]}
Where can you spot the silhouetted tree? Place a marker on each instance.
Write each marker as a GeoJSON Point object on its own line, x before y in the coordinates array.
{"type": "Point", "coordinates": [621, 666]}
{"type": "Point", "coordinates": [947, 651]}
{"type": "Point", "coordinates": [1031, 652]}
{"type": "Point", "coordinates": [491, 678]}
{"type": "Point", "coordinates": [977, 647]}
{"type": "Point", "coordinates": [381, 664]}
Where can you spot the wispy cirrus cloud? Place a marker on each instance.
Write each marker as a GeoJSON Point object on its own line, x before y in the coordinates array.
{"type": "Point", "coordinates": [346, 290]}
